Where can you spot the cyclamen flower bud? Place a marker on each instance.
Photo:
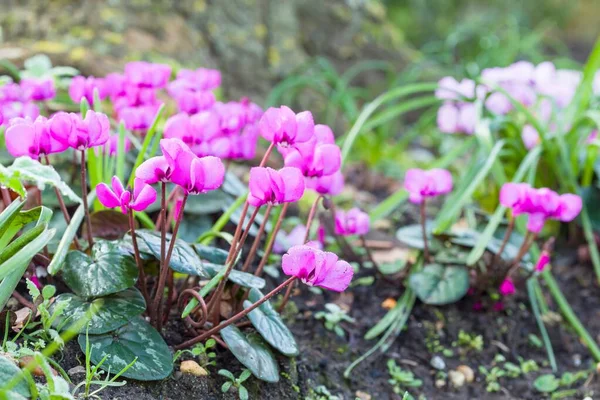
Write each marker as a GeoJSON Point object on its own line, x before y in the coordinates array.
{"type": "Point", "coordinates": [317, 268]}
{"type": "Point", "coordinates": [268, 186]}
{"type": "Point", "coordinates": [507, 287]}
{"type": "Point", "coordinates": [117, 196]}
{"type": "Point", "coordinates": [422, 184]}
{"type": "Point", "coordinates": [351, 222]}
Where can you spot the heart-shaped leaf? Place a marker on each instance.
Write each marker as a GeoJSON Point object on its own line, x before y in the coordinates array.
{"type": "Point", "coordinates": [110, 270]}
{"type": "Point", "coordinates": [184, 259]}
{"type": "Point", "coordinates": [107, 313]}
{"type": "Point", "coordinates": [211, 254]}
{"type": "Point", "coordinates": [440, 284]}
{"type": "Point", "coordinates": [108, 224]}
{"type": "Point", "coordinates": [238, 277]}
{"type": "Point", "coordinates": [270, 325]}
{"type": "Point", "coordinates": [8, 372]}
{"type": "Point", "coordinates": [252, 352]}
{"type": "Point", "coordinates": [137, 339]}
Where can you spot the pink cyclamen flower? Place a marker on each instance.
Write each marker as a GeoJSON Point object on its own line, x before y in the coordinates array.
{"type": "Point", "coordinates": [331, 184]}
{"type": "Point", "coordinates": [285, 128]}
{"type": "Point", "coordinates": [112, 145]}
{"type": "Point", "coordinates": [317, 268]}
{"type": "Point", "coordinates": [38, 89]}
{"type": "Point", "coordinates": [25, 137]}
{"type": "Point", "coordinates": [117, 196]}
{"type": "Point", "coordinates": [454, 118]}
{"type": "Point", "coordinates": [269, 186]}
{"type": "Point", "coordinates": [193, 174]}
{"type": "Point", "coordinates": [83, 88]}
{"type": "Point", "coordinates": [148, 75]}
{"type": "Point", "coordinates": [421, 184]}
{"type": "Point", "coordinates": [507, 287]}
{"type": "Point", "coordinates": [351, 222]}
{"type": "Point", "coordinates": [69, 129]}
{"type": "Point", "coordinates": [138, 118]}
{"type": "Point", "coordinates": [193, 102]}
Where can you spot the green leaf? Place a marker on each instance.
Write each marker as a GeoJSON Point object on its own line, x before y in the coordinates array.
{"type": "Point", "coordinates": [38, 65]}
{"type": "Point", "coordinates": [109, 270]}
{"type": "Point", "coordinates": [9, 214]}
{"type": "Point", "coordinates": [60, 255]}
{"type": "Point", "coordinates": [546, 383]}
{"type": "Point", "coordinates": [207, 203]}
{"type": "Point", "coordinates": [412, 235]}
{"type": "Point", "coordinates": [440, 284]}
{"type": "Point", "coordinates": [137, 339]}
{"type": "Point", "coordinates": [243, 279]}
{"type": "Point", "coordinates": [252, 352]}
{"type": "Point", "coordinates": [184, 259]}
{"type": "Point", "coordinates": [26, 169]}
{"type": "Point", "coordinates": [270, 325]}
{"type": "Point", "coordinates": [591, 198]}
{"type": "Point", "coordinates": [9, 372]}
{"type": "Point", "coordinates": [107, 313]}
{"type": "Point", "coordinates": [211, 254]}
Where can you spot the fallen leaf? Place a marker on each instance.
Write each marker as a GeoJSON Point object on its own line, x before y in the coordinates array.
{"type": "Point", "coordinates": [22, 316]}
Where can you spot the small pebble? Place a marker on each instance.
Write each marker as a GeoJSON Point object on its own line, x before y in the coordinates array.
{"type": "Point", "coordinates": [76, 371]}
{"type": "Point", "coordinates": [362, 395]}
{"type": "Point", "coordinates": [193, 368]}
{"type": "Point", "coordinates": [457, 379]}
{"type": "Point", "coordinates": [577, 360]}
{"type": "Point", "coordinates": [440, 383]}
{"type": "Point", "coordinates": [438, 362]}
{"type": "Point", "coordinates": [467, 372]}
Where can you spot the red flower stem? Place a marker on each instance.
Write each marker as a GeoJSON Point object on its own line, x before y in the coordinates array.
{"type": "Point", "coordinates": [169, 200]}
{"type": "Point", "coordinates": [509, 230]}
{"type": "Point", "coordinates": [527, 243]}
{"type": "Point", "coordinates": [157, 304]}
{"type": "Point", "coordinates": [267, 154]}
{"type": "Point", "coordinates": [5, 197]}
{"type": "Point", "coordinates": [216, 297]}
{"type": "Point", "coordinates": [238, 232]}
{"type": "Point", "coordinates": [311, 216]}
{"type": "Point", "coordinates": [138, 260]}
{"type": "Point", "coordinates": [261, 230]}
{"type": "Point", "coordinates": [84, 192]}
{"type": "Point", "coordinates": [236, 317]}
{"type": "Point", "coordinates": [424, 229]}
{"type": "Point", "coordinates": [269, 247]}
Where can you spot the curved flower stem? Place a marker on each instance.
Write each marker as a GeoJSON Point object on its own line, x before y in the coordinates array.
{"type": "Point", "coordinates": [527, 242]}
{"type": "Point", "coordinates": [85, 202]}
{"type": "Point", "coordinates": [158, 296]}
{"type": "Point", "coordinates": [271, 242]}
{"type": "Point", "coordinates": [509, 230]}
{"type": "Point", "coordinates": [138, 260]}
{"type": "Point", "coordinates": [261, 230]}
{"type": "Point", "coordinates": [424, 228]}
{"type": "Point", "coordinates": [267, 154]}
{"type": "Point", "coordinates": [172, 195]}
{"type": "Point", "coordinates": [311, 216]}
{"type": "Point", "coordinates": [236, 317]}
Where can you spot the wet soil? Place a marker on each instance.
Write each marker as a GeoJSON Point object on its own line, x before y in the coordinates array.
{"type": "Point", "coordinates": [324, 355]}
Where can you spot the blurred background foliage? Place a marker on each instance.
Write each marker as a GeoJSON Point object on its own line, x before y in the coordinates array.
{"type": "Point", "coordinates": [330, 56]}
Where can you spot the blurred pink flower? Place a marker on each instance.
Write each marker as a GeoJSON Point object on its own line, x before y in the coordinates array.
{"type": "Point", "coordinates": [543, 261]}
{"type": "Point", "coordinates": [25, 137]}
{"type": "Point", "coordinates": [421, 184]}
{"type": "Point", "coordinates": [507, 287]}
{"type": "Point", "coordinates": [284, 241]}
{"type": "Point", "coordinates": [38, 89]}
{"type": "Point", "coordinates": [118, 196]}
{"type": "Point", "coordinates": [351, 222]}
{"type": "Point", "coordinates": [69, 129]}
{"type": "Point", "coordinates": [317, 268]}
{"type": "Point", "coordinates": [148, 75]}
{"type": "Point", "coordinates": [112, 145]}
{"type": "Point", "coordinates": [269, 186]}
{"type": "Point", "coordinates": [331, 184]}
{"type": "Point", "coordinates": [138, 118]}
{"type": "Point", "coordinates": [530, 136]}
{"type": "Point", "coordinates": [82, 87]}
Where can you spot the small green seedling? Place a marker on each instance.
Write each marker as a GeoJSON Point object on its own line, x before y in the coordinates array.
{"type": "Point", "coordinates": [333, 317]}
{"type": "Point", "coordinates": [321, 392]}
{"type": "Point", "coordinates": [201, 352]}
{"type": "Point", "coordinates": [492, 377]}
{"type": "Point", "coordinates": [235, 382]}
{"type": "Point", "coordinates": [468, 342]}
{"type": "Point", "coordinates": [401, 379]}
{"type": "Point", "coordinates": [42, 300]}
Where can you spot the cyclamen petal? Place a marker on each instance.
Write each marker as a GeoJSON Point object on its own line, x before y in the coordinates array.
{"type": "Point", "coordinates": [351, 222]}
{"type": "Point", "coordinates": [282, 127]}
{"type": "Point", "coordinates": [106, 196]}
{"type": "Point", "coordinates": [153, 170]}
{"type": "Point", "coordinates": [268, 186]}
{"type": "Point", "coordinates": [421, 184]}
{"type": "Point", "coordinates": [293, 184]}
{"type": "Point", "coordinates": [570, 207]}
{"type": "Point", "coordinates": [144, 196]}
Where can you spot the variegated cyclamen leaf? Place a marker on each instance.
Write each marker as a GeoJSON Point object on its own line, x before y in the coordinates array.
{"type": "Point", "coordinates": [138, 339]}
{"type": "Point", "coordinates": [440, 284]}
{"type": "Point", "coordinates": [10, 371]}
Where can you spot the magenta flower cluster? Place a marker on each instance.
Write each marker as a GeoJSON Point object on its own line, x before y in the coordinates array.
{"type": "Point", "coordinates": [192, 90]}
{"type": "Point", "coordinates": [539, 204]}
{"type": "Point", "coordinates": [42, 136]}
{"type": "Point", "coordinates": [226, 130]}
{"type": "Point", "coordinates": [18, 100]}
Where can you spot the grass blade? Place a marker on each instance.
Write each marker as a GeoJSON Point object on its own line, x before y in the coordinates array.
{"type": "Point", "coordinates": [531, 292]}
